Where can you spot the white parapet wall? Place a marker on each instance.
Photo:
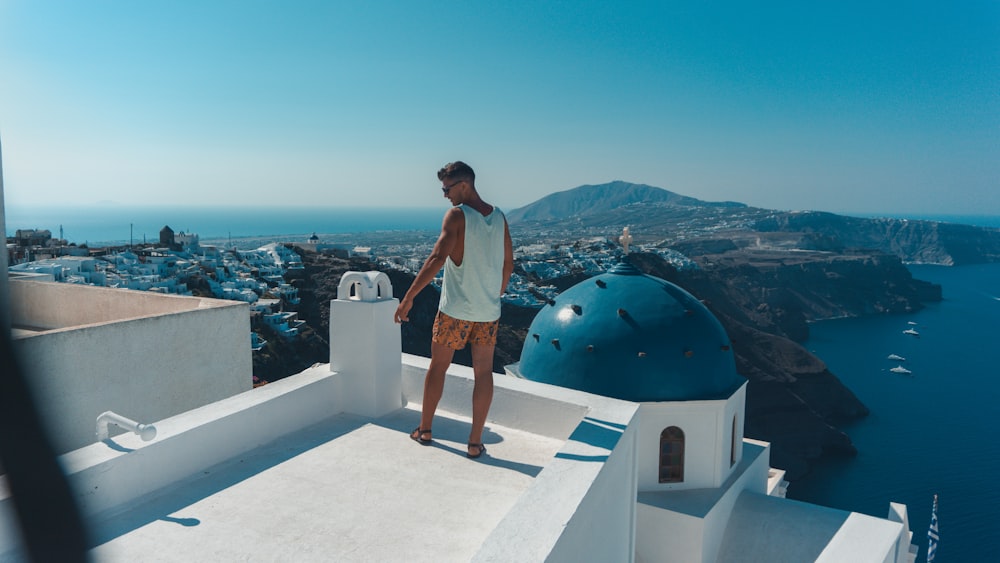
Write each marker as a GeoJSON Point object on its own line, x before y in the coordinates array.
{"type": "Point", "coordinates": [145, 356]}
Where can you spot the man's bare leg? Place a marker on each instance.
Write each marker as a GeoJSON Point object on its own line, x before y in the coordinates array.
{"type": "Point", "coordinates": [482, 392]}
{"type": "Point", "coordinates": [441, 356]}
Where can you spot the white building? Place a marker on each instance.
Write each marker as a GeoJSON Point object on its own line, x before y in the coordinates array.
{"type": "Point", "coordinates": [187, 241]}
{"type": "Point", "coordinates": [143, 354]}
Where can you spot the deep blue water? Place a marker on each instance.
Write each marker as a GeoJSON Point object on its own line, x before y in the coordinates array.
{"type": "Point", "coordinates": [116, 223]}
{"type": "Point", "coordinates": [112, 223]}
{"type": "Point", "coordinates": [930, 432]}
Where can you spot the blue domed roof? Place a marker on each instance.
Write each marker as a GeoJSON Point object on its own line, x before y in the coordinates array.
{"type": "Point", "coordinates": [628, 335]}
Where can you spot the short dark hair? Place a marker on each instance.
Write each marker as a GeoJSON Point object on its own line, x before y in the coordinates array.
{"type": "Point", "coordinates": [457, 170]}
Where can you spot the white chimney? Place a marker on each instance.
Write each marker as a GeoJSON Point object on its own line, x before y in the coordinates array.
{"type": "Point", "coordinates": [365, 344]}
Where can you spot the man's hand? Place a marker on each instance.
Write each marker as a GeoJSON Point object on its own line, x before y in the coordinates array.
{"type": "Point", "coordinates": [403, 311]}
{"type": "Point", "coordinates": [451, 227]}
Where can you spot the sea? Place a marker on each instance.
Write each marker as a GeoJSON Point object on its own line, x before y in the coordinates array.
{"type": "Point", "coordinates": [929, 431]}
{"type": "Point", "coordinates": [97, 225]}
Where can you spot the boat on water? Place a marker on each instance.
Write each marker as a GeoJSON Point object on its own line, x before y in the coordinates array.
{"type": "Point", "coordinates": [911, 332]}
{"type": "Point", "coordinates": [896, 358]}
{"type": "Point", "coordinates": [900, 369]}
{"type": "Point", "coordinates": [911, 323]}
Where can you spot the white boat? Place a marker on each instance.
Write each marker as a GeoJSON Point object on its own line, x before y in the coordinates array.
{"type": "Point", "coordinates": [896, 357]}
{"type": "Point", "coordinates": [911, 331]}
{"type": "Point", "coordinates": [900, 369]}
{"type": "Point", "coordinates": [911, 323]}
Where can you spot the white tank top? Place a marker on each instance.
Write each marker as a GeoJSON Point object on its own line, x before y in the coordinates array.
{"type": "Point", "coordinates": [471, 292]}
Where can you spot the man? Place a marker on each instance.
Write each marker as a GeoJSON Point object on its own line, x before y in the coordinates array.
{"type": "Point", "coordinates": [475, 251]}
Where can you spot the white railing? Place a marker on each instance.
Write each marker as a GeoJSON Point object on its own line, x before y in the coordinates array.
{"type": "Point", "coordinates": [145, 431]}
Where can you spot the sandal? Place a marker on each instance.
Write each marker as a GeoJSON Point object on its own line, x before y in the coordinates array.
{"type": "Point", "coordinates": [482, 450]}
{"type": "Point", "coordinates": [418, 436]}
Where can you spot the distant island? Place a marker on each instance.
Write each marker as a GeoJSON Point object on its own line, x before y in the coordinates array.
{"type": "Point", "coordinates": [692, 226]}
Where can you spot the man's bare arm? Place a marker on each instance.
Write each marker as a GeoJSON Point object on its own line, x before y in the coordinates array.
{"type": "Point", "coordinates": [451, 228]}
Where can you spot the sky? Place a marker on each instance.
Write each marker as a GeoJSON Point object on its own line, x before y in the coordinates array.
{"type": "Point", "coordinates": [863, 107]}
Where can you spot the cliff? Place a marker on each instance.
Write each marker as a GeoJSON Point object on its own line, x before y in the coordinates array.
{"type": "Point", "coordinates": [927, 242]}
{"type": "Point", "coordinates": [780, 292]}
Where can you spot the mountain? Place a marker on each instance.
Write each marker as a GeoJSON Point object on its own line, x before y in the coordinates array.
{"type": "Point", "coordinates": [695, 227]}
{"type": "Point", "coordinates": [601, 198]}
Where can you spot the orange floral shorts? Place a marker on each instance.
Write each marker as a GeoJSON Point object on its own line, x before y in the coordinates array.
{"type": "Point", "coordinates": [456, 333]}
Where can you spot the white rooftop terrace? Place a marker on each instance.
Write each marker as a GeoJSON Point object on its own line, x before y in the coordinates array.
{"type": "Point", "coordinates": [279, 473]}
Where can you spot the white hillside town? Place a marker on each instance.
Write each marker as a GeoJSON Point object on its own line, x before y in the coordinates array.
{"type": "Point", "coordinates": [253, 274]}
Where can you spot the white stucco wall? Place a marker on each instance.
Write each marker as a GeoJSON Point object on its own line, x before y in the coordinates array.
{"type": "Point", "coordinates": [52, 306]}
{"type": "Point", "coordinates": [707, 427]}
{"type": "Point", "coordinates": [603, 527]}
{"type": "Point", "coordinates": [518, 403]}
{"type": "Point", "coordinates": [107, 480]}
{"type": "Point", "coordinates": [581, 507]}
{"type": "Point", "coordinates": [750, 474]}
{"type": "Point", "coordinates": [144, 356]}
{"type": "Point", "coordinates": [690, 524]}
{"type": "Point", "coordinates": [659, 532]}
{"type": "Point", "coordinates": [905, 552]}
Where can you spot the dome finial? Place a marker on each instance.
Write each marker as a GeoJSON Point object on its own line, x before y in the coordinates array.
{"type": "Point", "coordinates": [625, 239]}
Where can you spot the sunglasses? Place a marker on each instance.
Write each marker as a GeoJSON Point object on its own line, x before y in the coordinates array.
{"type": "Point", "coordinates": [447, 189]}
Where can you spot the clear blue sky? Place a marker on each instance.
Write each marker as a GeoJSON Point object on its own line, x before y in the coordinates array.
{"type": "Point", "coordinates": [837, 106]}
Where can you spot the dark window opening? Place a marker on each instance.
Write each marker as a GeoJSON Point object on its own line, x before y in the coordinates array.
{"type": "Point", "coordinates": [672, 455]}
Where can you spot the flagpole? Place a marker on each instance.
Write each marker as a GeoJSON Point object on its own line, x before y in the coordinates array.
{"type": "Point", "coordinates": [932, 533]}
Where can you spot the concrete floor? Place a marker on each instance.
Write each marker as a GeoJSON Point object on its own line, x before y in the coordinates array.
{"type": "Point", "coordinates": [347, 489]}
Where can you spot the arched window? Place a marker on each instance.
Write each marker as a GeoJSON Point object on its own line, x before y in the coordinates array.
{"type": "Point", "coordinates": [672, 455]}
{"type": "Point", "coordinates": [732, 445]}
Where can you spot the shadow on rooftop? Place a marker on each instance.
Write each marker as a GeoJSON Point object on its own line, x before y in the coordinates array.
{"type": "Point", "coordinates": [595, 432]}
{"type": "Point", "coordinates": [451, 430]}
{"type": "Point", "coordinates": [163, 504]}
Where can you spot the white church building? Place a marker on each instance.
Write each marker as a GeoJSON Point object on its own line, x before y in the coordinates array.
{"type": "Point", "coordinates": [618, 437]}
